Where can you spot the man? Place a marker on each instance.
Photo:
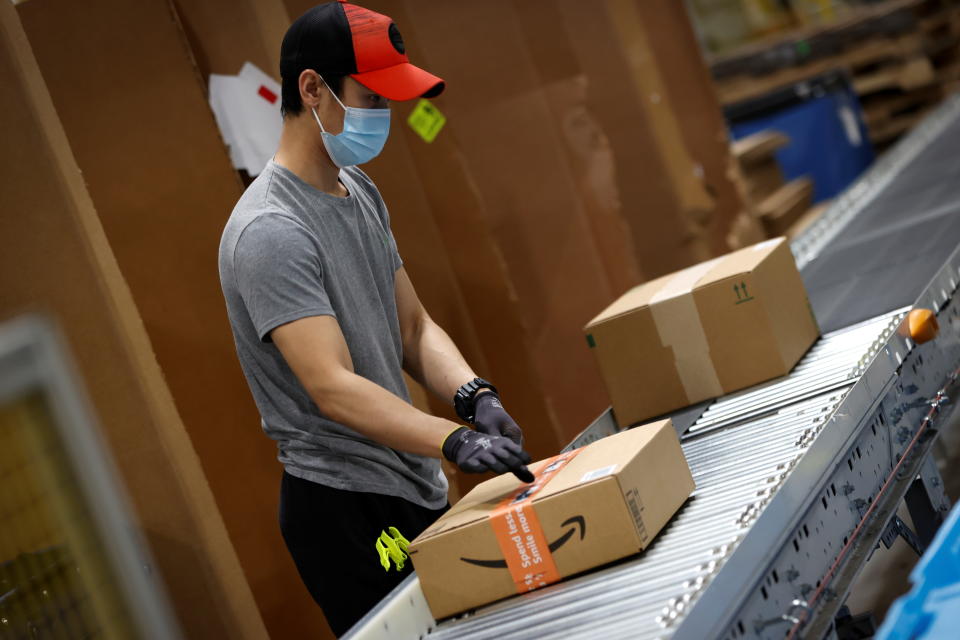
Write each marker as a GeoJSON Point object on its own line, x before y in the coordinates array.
{"type": "Point", "coordinates": [325, 318]}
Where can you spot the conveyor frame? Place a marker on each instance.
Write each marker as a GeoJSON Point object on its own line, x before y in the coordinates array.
{"type": "Point", "coordinates": [843, 420]}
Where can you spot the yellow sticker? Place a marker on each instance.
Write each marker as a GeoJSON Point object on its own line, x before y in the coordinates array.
{"type": "Point", "coordinates": [426, 120]}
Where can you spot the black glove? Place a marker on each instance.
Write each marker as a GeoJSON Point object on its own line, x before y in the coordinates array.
{"type": "Point", "coordinates": [476, 452]}
{"type": "Point", "coordinates": [490, 418]}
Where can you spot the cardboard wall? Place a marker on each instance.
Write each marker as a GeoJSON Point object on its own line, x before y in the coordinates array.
{"type": "Point", "coordinates": [502, 190]}
{"type": "Point", "coordinates": [56, 260]}
{"type": "Point", "coordinates": [132, 103]}
{"type": "Point", "coordinates": [223, 34]}
{"type": "Point", "coordinates": [692, 96]}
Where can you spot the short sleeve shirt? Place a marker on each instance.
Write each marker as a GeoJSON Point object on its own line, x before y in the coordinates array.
{"type": "Point", "coordinates": [291, 251]}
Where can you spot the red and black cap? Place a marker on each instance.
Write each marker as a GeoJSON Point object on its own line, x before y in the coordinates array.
{"type": "Point", "coordinates": [345, 39]}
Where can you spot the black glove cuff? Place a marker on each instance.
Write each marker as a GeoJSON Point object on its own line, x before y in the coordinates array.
{"type": "Point", "coordinates": [484, 397]}
{"type": "Point", "coordinates": [453, 443]}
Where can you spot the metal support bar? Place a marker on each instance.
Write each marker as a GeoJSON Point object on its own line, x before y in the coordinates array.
{"type": "Point", "coordinates": [897, 528]}
{"type": "Point", "coordinates": [926, 518]}
{"type": "Point", "coordinates": [823, 612]}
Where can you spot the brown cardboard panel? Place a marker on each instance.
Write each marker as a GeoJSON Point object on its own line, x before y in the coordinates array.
{"type": "Point", "coordinates": [607, 502]}
{"type": "Point", "coordinates": [691, 95]}
{"type": "Point", "coordinates": [665, 240]}
{"type": "Point", "coordinates": [758, 147]}
{"type": "Point", "coordinates": [133, 108]}
{"type": "Point", "coordinates": [56, 260]}
{"type": "Point", "coordinates": [739, 262]}
{"type": "Point", "coordinates": [785, 206]}
{"type": "Point", "coordinates": [223, 34]}
{"type": "Point", "coordinates": [762, 179]}
{"type": "Point", "coordinates": [633, 299]}
{"type": "Point", "coordinates": [514, 237]}
{"type": "Point", "coordinates": [538, 224]}
{"type": "Point", "coordinates": [743, 346]}
{"type": "Point", "coordinates": [744, 231]}
{"type": "Point", "coordinates": [650, 490]}
{"type": "Point", "coordinates": [582, 137]}
{"type": "Point", "coordinates": [788, 308]}
{"type": "Point", "coordinates": [646, 76]}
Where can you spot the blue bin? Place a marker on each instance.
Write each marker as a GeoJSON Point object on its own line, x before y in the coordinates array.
{"type": "Point", "coordinates": [931, 610]}
{"type": "Point", "coordinates": [823, 119]}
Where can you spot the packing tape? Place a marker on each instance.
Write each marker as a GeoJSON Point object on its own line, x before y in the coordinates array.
{"type": "Point", "coordinates": [678, 322]}
{"type": "Point", "coordinates": [519, 534]}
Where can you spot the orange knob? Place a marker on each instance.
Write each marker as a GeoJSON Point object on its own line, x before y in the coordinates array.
{"type": "Point", "coordinates": [920, 325]}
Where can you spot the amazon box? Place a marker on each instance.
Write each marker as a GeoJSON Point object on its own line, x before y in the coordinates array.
{"type": "Point", "coordinates": [587, 507]}
{"type": "Point", "coordinates": [719, 326]}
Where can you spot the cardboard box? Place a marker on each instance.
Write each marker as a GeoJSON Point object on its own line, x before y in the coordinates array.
{"type": "Point", "coordinates": [588, 507]}
{"type": "Point", "coordinates": [716, 327]}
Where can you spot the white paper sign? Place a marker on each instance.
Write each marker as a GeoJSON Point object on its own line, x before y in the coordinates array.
{"type": "Point", "coordinates": [247, 110]}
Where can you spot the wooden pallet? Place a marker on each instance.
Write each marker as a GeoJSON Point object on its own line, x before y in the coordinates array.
{"type": "Point", "coordinates": [785, 206]}
{"type": "Point", "coordinates": [899, 76]}
{"type": "Point", "coordinates": [878, 110]}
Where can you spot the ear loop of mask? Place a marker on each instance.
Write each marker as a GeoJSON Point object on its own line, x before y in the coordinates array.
{"type": "Point", "coordinates": [313, 110]}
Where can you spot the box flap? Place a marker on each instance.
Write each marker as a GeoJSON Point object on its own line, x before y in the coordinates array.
{"type": "Point", "coordinates": [605, 457]}
{"type": "Point", "coordinates": [743, 261]}
{"type": "Point", "coordinates": [634, 299]}
{"type": "Point", "coordinates": [684, 281]}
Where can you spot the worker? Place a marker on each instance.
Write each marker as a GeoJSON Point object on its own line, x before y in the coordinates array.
{"type": "Point", "coordinates": [325, 319]}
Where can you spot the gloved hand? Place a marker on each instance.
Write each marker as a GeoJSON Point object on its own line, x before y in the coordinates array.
{"type": "Point", "coordinates": [489, 417]}
{"type": "Point", "coordinates": [475, 452]}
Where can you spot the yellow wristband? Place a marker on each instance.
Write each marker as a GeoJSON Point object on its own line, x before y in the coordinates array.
{"type": "Point", "coordinates": [444, 441]}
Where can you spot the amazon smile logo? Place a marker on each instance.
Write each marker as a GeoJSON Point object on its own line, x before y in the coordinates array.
{"type": "Point", "coordinates": [576, 523]}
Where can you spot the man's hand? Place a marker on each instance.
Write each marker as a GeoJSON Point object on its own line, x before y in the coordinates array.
{"type": "Point", "coordinates": [491, 418]}
{"type": "Point", "coordinates": [476, 452]}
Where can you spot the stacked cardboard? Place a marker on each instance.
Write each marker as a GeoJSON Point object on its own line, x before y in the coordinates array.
{"type": "Point", "coordinates": [777, 204]}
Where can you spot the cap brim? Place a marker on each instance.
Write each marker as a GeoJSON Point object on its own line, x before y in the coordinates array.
{"type": "Point", "coordinates": [401, 82]}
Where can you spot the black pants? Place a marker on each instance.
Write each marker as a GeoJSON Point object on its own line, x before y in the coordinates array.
{"type": "Point", "coordinates": [332, 537]}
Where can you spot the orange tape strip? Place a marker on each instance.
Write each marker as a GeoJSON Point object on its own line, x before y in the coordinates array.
{"type": "Point", "coordinates": [519, 534]}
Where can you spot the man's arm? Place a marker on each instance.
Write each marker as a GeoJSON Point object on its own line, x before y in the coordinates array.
{"type": "Point", "coordinates": [429, 355]}
{"type": "Point", "coordinates": [317, 353]}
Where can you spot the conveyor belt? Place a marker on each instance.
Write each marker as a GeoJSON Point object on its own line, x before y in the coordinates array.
{"type": "Point", "coordinates": [889, 233]}
{"type": "Point", "coordinates": [734, 469]}
{"type": "Point", "coordinates": [786, 472]}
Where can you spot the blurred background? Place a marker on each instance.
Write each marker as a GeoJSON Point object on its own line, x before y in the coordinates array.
{"type": "Point", "coordinates": [580, 149]}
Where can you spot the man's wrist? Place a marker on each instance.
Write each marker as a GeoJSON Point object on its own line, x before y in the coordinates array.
{"type": "Point", "coordinates": [450, 444]}
{"type": "Point", "coordinates": [465, 397]}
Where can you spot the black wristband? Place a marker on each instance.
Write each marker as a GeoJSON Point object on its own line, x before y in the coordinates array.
{"type": "Point", "coordinates": [463, 399]}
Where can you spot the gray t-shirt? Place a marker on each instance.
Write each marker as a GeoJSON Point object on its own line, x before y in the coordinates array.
{"type": "Point", "coordinates": [291, 251]}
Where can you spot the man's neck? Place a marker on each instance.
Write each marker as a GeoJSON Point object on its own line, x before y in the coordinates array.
{"type": "Point", "coordinates": [298, 152]}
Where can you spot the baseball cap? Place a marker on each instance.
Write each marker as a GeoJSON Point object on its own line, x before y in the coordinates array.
{"type": "Point", "coordinates": [345, 39]}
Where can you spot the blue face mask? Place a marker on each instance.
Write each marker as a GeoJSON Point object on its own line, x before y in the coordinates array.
{"type": "Point", "coordinates": [364, 133]}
